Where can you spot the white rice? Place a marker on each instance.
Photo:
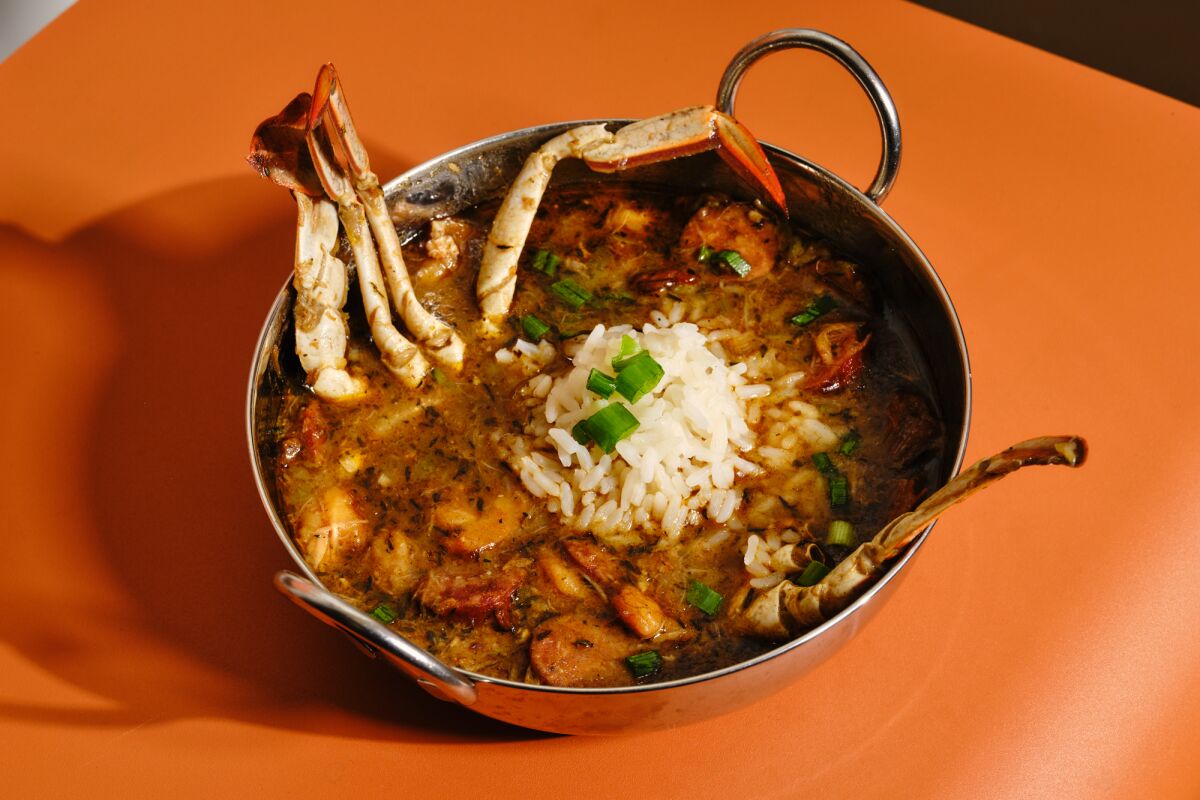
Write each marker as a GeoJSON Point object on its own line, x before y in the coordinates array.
{"type": "Point", "coordinates": [682, 462]}
{"type": "Point", "coordinates": [764, 568]}
{"type": "Point", "coordinates": [696, 437]}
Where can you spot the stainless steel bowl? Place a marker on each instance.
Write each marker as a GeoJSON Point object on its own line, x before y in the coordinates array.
{"type": "Point", "coordinates": [819, 201]}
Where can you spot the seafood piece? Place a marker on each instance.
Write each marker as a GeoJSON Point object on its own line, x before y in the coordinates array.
{"type": "Point", "coordinates": [725, 225]}
{"type": "Point", "coordinates": [331, 528]}
{"type": "Point", "coordinates": [839, 352]}
{"type": "Point", "coordinates": [280, 151]}
{"type": "Point", "coordinates": [396, 566]}
{"type": "Point", "coordinates": [320, 283]}
{"type": "Point", "coordinates": [561, 576]}
{"type": "Point", "coordinates": [679, 133]}
{"type": "Point", "coordinates": [639, 612]}
{"type": "Point", "coordinates": [477, 523]}
{"type": "Point", "coordinates": [795, 557]}
{"type": "Point", "coordinates": [341, 163]}
{"type": "Point", "coordinates": [447, 241]}
{"type": "Point", "coordinates": [320, 276]}
{"type": "Point", "coordinates": [787, 608]}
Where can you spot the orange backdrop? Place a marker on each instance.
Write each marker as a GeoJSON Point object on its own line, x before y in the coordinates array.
{"type": "Point", "coordinates": [1043, 644]}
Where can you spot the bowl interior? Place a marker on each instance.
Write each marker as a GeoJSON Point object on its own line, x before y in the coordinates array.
{"type": "Point", "coordinates": [818, 201]}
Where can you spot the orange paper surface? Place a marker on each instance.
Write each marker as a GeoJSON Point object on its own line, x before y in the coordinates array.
{"type": "Point", "coordinates": [1043, 643]}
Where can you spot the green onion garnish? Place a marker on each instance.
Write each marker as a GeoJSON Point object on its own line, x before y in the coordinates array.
{"type": "Point", "coordinates": [610, 425]}
{"type": "Point", "coordinates": [733, 259]}
{"type": "Point", "coordinates": [823, 464]}
{"type": "Point", "coordinates": [439, 376]}
{"type": "Point", "coordinates": [849, 444]}
{"type": "Point", "coordinates": [570, 292]}
{"type": "Point", "coordinates": [384, 613]}
{"type": "Point", "coordinates": [839, 491]}
{"type": "Point", "coordinates": [535, 329]}
{"type": "Point", "coordinates": [601, 384]}
{"type": "Point", "coordinates": [839, 487]}
{"type": "Point", "coordinates": [644, 664]}
{"type": "Point", "coordinates": [545, 261]}
{"type": "Point", "coordinates": [841, 533]}
{"type": "Point", "coordinates": [812, 574]}
{"type": "Point", "coordinates": [580, 433]}
{"type": "Point", "coordinates": [705, 255]}
{"type": "Point", "coordinates": [629, 347]}
{"type": "Point", "coordinates": [637, 376]}
{"type": "Point", "coordinates": [819, 306]}
{"type": "Point", "coordinates": [703, 597]}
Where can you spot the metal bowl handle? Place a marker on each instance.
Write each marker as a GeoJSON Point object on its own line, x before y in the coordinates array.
{"type": "Point", "coordinates": [443, 681]}
{"type": "Point", "coordinates": [848, 57]}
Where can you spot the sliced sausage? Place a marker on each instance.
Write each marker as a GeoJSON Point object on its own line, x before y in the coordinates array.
{"type": "Point", "coordinates": [471, 598]}
{"type": "Point", "coordinates": [579, 650]}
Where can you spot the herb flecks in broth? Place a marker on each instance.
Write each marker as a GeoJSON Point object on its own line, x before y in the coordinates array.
{"type": "Point", "coordinates": [414, 500]}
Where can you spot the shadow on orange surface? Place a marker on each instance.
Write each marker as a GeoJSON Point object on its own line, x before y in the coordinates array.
{"type": "Point", "coordinates": [160, 599]}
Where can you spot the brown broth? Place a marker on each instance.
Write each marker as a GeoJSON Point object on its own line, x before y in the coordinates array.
{"type": "Point", "coordinates": [411, 480]}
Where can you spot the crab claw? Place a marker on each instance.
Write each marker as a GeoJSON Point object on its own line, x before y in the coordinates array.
{"type": "Point", "coordinates": [684, 133]}
{"type": "Point", "coordinates": [329, 108]}
{"type": "Point", "coordinates": [680, 133]}
{"type": "Point", "coordinates": [278, 150]}
{"type": "Point", "coordinates": [345, 171]}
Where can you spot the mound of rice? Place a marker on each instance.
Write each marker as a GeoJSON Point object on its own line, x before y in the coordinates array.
{"type": "Point", "coordinates": [677, 467]}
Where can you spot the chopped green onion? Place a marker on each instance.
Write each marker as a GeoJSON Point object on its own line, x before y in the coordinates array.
{"type": "Point", "coordinates": [841, 533]}
{"type": "Point", "coordinates": [628, 353]}
{"type": "Point", "coordinates": [610, 425]}
{"type": "Point", "coordinates": [535, 329]}
{"type": "Point", "coordinates": [637, 376]}
{"type": "Point", "coordinates": [705, 255]}
{"type": "Point", "coordinates": [703, 597]}
{"type": "Point", "coordinates": [823, 464]}
{"type": "Point", "coordinates": [644, 664]}
{"type": "Point", "coordinates": [385, 613]}
{"type": "Point", "coordinates": [629, 347]}
{"type": "Point", "coordinates": [849, 444]}
{"type": "Point", "coordinates": [839, 487]}
{"type": "Point", "coordinates": [812, 574]}
{"type": "Point", "coordinates": [819, 306]}
{"type": "Point", "coordinates": [600, 383]}
{"type": "Point", "coordinates": [839, 491]}
{"type": "Point", "coordinates": [570, 292]}
{"type": "Point", "coordinates": [580, 433]}
{"type": "Point", "coordinates": [733, 259]}
{"type": "Point", "coordinates": [545, 261]}
{"type": "Point", "coordinates": [439, 376]}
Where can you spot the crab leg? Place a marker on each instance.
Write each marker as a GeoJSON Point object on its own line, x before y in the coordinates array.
{"type": "Point", "coordinates": [331, 114]}
{"type": "Point", "coordinates": [787, 608]}
{"type": "Point", "coordinates": [679, 133]}
{"type": "Point", "coordinates": [277, 152]}
{"type": "Point", "coordinates": [320, 282]}
{"type": "Point", "coordinates": [400, 355]}
{"type": "Point", "coordinates": [498, 270]}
